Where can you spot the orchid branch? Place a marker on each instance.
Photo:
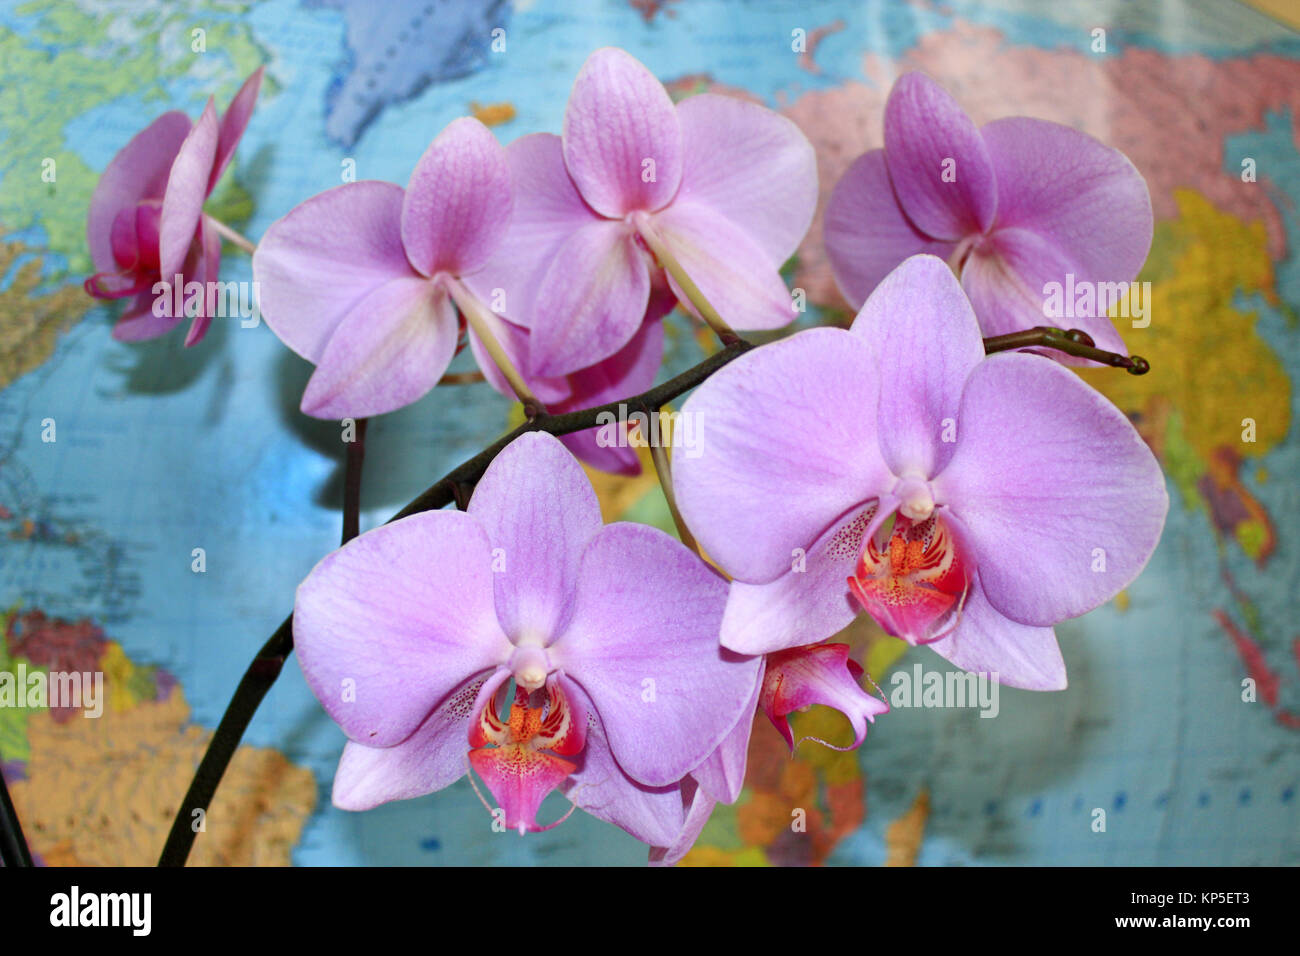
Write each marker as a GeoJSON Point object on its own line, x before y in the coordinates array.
{"type": "Point", "coordinates": [13, 845]}
{"type": "Point", "coordinates": [454, 487]}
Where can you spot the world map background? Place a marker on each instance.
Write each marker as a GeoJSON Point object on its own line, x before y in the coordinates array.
{"type": "Point", "coordinates": [161, 450]}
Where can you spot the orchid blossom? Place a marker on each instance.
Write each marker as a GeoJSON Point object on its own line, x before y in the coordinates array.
{"type": "Point", "coordinates": [146, 223]}
{"type": "Point", "coordinates": [411, 634]}
{"type": "Point", "coordinates": [1013, 206]}
{"type": "Point", "coordinates": [364, 280]}
{"type": "Point", "coordinates": [1020, 496]}
{"type": "Point", "coordinates": [715, 189]}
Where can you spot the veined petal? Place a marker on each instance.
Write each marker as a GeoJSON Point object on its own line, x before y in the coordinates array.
{"type": "Point", "coordinates": [622, 139]}
{"type": "Point", "coordinates": [433, 757]}
{"type": "Point", "coordinates": [139, 171]}
{"type": "Point", "coordinates": [591, 301]}
{"type": "Point", "coordinates": [458, 202]}
{"type": "Point", "coordinates": [187, 188]}
{"type": "Point", "coordinates": [811, 601]}
{"type": "Point", "coordinates": [315, 264]}
{"type": "Point", "coordinates": [787, 444]}
{"type": "Point", "coordinates": [233, 124]}
{"type": "Point", "coordinates": [1007, 280]}
{"type": "Point", "coordinates": [938, 162]}
{"type": "Point", "coordinates": [699, 807]}
{"type": "Point", "coordinates": [386, 353]}
{"type": "Point", "coordinates": [514, 341]}
{"type": "Point", "coordinates": [867, 234]}
{"type": "Point", "coordinates": [1081, 195]}
{"type": "Point", "coordinates": [643, 644]}
{"type": "Point", "coordinates": [1061, 500]}
{"type": "Point", "coordinates": [753, 166]}
{"type": "Point", "coordinates": [925, 334]}
{"type": "Point", "coordinates": [737, 278]}
{"type": "Point", "coordinates": [986, 641]}
{"type": "Point", "coordinates": [722, 775]}
{"type": "Point", "coordinates": [797, 678]}
{"type": "Point", "coordinates": [538, 508]}
{"type": "Point", "coordinates": [395, 621]}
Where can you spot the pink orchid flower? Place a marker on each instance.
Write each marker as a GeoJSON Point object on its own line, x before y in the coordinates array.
{"type": "Point", "coordinates": [364, 280]}
{"type": "Point", "coordinates": [793, 680]}
{"type": "Point", "coordinates": [1013, 206]}
{"type": "Point", "coordinates": [727, 187]}
{"type": "Point", "coordinates": [146, 223]}
{"type": "Point", "coordinates": [411, 634]}
{"type": "Point", "coordinates": [1021, 497]}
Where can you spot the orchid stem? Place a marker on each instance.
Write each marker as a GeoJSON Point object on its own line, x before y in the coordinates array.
{"type": "Point", "coordinates": [234, 238]}
{"type": "Point", "coordinates": [13, 845]}
{"type": "Point", "coordinates": [1073, 342]}
{"type": "Point", "coordinates": [659, 455]}
{"type": "Point", "coordinates": [356, 457]}
{"type": "Point", "coordinates": [472, 309]}
{"type": "Point", "coordinates": [725, 333]}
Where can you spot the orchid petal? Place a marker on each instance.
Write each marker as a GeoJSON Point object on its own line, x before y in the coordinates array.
{"type": "Point", "coordinates": [539, 512]}
{"type": "Point", "coordinates": [1061, 500]}
{"type": "Point", "coordinates": [737, 277]}
{"type": "Point", "coordinates": [722, 775]}
{"type": "Point", "coordinates": [794, 421]}
{"type": "Point", "coordinates": [210, 251]}
{"type": "Point", "coordinates": [139, 322]}
{"type": "Point", "coordinates": [752, 166]}
{"type": "Point", "coordinates": [233, 124]}
{"type": "Point", "coordinates": [622, 139]}
{"type": "Point", "coordinates": [395, 621]}
{"type": "Point", "coordinates": [986, 641]}
{"type": "Point", "coordinates": [138, 172]}
{"type": "Point", "coordinates": [548, 209]}
{"type": "Point", "coordinates": [699, 807]}
{"type": "Point", "coordinates": [386, 353]}
{"type": "Point", "coordinates": [811, 601]}
{"type": "Point", "coordinates": [187, 188]}
{"type": "Point", "coordinates": [668, 650]}
{"type": "Point", "coordinates": [457, 204]}
{"type": "Point", "coordinates": [433, 757]}
{"type": "Point", "coordinates": [314, 265]}
{"type": "Point", "coordinates": [520, 778]}
{"type": "Point", "coordinates": [820, 674]}
{"type": "Point", "coordinates": [515, 342]}
{"type": "Point", "coordinates": [591, 301]}
{"type": "Point", "coordinates": [866, 231]}
{"type": "Point", "coordinates": [938, 162]}
{"type": "Point", "coordinates": [927, 339]}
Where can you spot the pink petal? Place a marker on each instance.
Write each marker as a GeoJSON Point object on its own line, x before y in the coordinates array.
{"type": "Point", "coordinates": [210, 251]}
{"type": "Point", "coordinates": [515, 342]}
{"type": "Point", "coordinates": [986, 641]}
{"type": "Point", "coordinates": [699, 807]}
{"type": "Point", "coordinates": [866, 231]}
{"type": "Point", "coordinates": [653, 815]}
{"type": "Point", "coordinates": [548, 209]}
{"type": "Point", "coordinates": [797, 678]}
{"type": "Point", "coordinates": [927, 139]}
{"type": "Point", "coordinates": [139, 323]}
{"type": "Point", "coordinates": [802, 606]}
{"type": "Point", "coordinates": [666, 693]}
{"type": "Point", "coordinates": [592, 299]}
{"type": "Point", "coordinates": [751, 165]}
{"type": "Point", "coordinates": [382, 640]}
{"type": "Point", "coordinates": [540, 511]}
{"type": "Point", "coordinates": [386, 353]}
{"type": "Point", "coordinates": [1082, 196]}
{"type": "Point", "coordinates": [139, 171]}
{"type": "Point", "coordinates": [187, 188]}
{"type": "Point", "coordinates": [925, 335]}
{"type": "Point", "coordinates": [433, 757]}
{"type": "Point", "coordinates": [1062, 501]}
{"type": "Point", "coordinates": [458, 202]}
{"type": "Point", "coordinates": [722, 775]}
{"type": "Point", "coordinates": [314, 265]}
{"type": "Point", "coordinates": [613, 459]}
{"type": "Point", "coordinates": [618, 121]}
{"type": "Point", "coordinates": [737, 277]}
{"type": "Point", "coordinates": [794, 421]}
{"type": "Point", "coordinates": [233, 124]}
{"type": "Point", "coordinates": [1006, 279]}
{"type": "Point", "coordinates": [520, 778]}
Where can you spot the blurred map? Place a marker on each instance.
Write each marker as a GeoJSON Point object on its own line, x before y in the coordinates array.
{"type": "Point", "coordinates": [158, 451]}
